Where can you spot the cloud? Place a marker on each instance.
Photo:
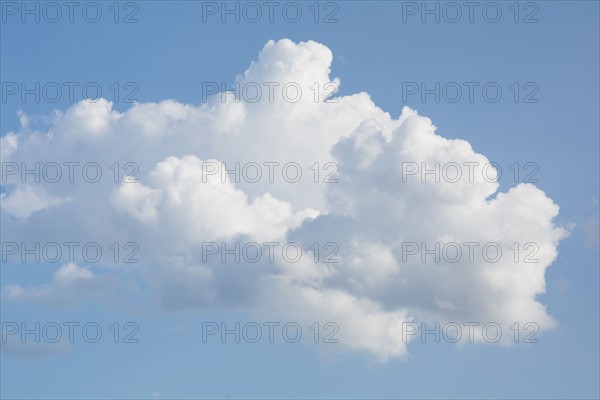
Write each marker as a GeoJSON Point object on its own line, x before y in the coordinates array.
{"type": "Point", "coordinates": [8, 144]}
{"type": "Point", "coordinates": [366, 215]}
{"type": "Point", "coordinates": [25, 200]}
{"type": "Point", "coordinates": [70, 284]}
{"type": "Point", "coordinates": [184, 191]}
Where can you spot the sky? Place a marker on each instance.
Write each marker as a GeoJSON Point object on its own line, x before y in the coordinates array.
{"type": "Point", "coordinates": [299, 199]}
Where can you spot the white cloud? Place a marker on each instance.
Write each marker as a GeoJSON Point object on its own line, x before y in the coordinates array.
{"type": "Point", "coordinates": [185, 192]}
{"type": "Point", "coordinates": [26, 199]}
{"type": "Point", "coordinates": [70, 284]}
{"type": "Point", "coordinates": [371, 291]}
{"type": "Point", "coordinates": [8, 144]}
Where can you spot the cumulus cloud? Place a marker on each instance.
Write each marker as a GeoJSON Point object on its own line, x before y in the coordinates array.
{"type": "Point", "coordinates": [179, 200]}
{"type": "Point", "coordinates": [70, 284]}
{"type": "Point", "coordinates": [25, 200]}
{"type": "Point", "coordinates": [184, 192]}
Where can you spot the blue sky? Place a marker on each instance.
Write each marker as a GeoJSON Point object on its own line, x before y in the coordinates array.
{"type": "Point", "coordinates": [168, 54]}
